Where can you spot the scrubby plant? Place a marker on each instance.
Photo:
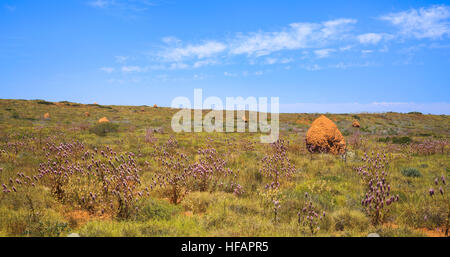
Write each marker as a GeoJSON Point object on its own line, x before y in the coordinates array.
{"type": "Point", "coordinates": [378, 196]}
{"type": "Point", "coordinates": [439, 198]}
{"type": "Point", "coordinates": [175, 177]}
{"type": "Point", "coordinates": [44, 102]}
{"type": "Point", "coordinates": [209, 169]}
{"type": "Point", "coordinates": [103, 128]}
{"type": "Point", "coordinates": [411, 172]}
{"type": "Point", "coordinates": [276, 166]}
{"type": "Point", "coordinates": [272, 199]}
{"type": "Point", "coordinates": [401, 140]}
{"type": "Point", "coordinates": [396, 140]}
{"type": "Point", "coordinates": [310, 216]}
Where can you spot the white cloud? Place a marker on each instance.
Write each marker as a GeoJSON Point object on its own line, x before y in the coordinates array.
{"type": "Point", "coordinates": [229, 74]}
{"type": "Point", "coordinates": [178, 66]}
{"type": "Point", "coordinates": [130, 69]}
{"type": "Point", "coordinates": [171, 40]}
{"type": "Point", "coordinates": [200, 51]}
{"type": "Point", "coordinates": [121, 59]}
{"type": "Point", "coordinates": [430, 22]}
{"type": "Point", "coordinates": [370, 38]}
{"type": "Point", "coordinates": [107, 69]}
{"type": "Point", "coordinates": [322, 53]}
{"type": "Point", "coordinates": [271, 60]}
{"type": "Point", "coordinates": [336, 27]}
{"type": "Point", "coordinates": [286, 60]}
{"type": "Point", "coordinates": [366, 51]}
{"type": "Point", "coordinates": [202, 63]}
{"type": "Point", "coordinates": [346, 48]}
{"type": "Point", "coordinates": [314, 67]}
{"type": "Point", "coordinates": [296, 36]}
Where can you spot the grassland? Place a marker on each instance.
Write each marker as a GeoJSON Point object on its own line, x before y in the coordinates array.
{"type": "Point", "coordinates": [415, 145]}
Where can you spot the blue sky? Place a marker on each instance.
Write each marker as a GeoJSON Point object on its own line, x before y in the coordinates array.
{"type": "Point", "coordinates": [316, 56]}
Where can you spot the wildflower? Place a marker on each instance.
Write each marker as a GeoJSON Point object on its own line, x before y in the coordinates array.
{"type": "Point", "coordinates": [431, 191]}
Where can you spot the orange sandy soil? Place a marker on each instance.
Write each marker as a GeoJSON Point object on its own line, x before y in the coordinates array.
{"type": "Point", "coordinates": [81, 217]}
{"type": "Point", "coordinates": [428, 232]}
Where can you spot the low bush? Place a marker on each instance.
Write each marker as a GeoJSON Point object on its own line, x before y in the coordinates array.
{"type": "Point", "coordinates": [350, 220]}
{"type": "Point", "coordinates": [44, 102]}
{"type": "Point", "coordinates": [411, 172]}
{"type": "Point", "coordinates": [401, 140]}
{"type": "Point", "coordinates": [395, 140]}
{"type": "Point", "coordinates": [156, 209]}
{"type": "Point", "coordinates": [102, 129]}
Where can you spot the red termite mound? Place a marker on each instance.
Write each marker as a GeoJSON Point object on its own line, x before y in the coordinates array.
{"type": "Point", "coordinates": [324, 137]}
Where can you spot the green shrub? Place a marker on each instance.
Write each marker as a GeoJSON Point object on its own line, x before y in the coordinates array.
{"type": "Point", "coordinates": [101, 129]}
{"type": "Point", "coordinates": [15, 115]}
{"type": "Point", "coordinates": [395, 140]}
{"type": "Point", "coordinates": [401, 140]}
{"type": "Point", "coordinates": [411, 172]}
{"type": "Point", "coordinates": [350, 220]}
{"type": "Point", "coordinates": [384, 139]}
{"type": "Point", "coordinates": [44, 102]}
{"type": "Point", "coordinates": [156, 209]}
{"type": "Point", "coordinates": [104, 107]}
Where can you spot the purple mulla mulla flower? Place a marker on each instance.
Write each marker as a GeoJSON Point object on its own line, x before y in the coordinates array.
{"type": "Point", "coordinates": [441, 190]}
{"type": "Point", "coordinates": [431, 191]}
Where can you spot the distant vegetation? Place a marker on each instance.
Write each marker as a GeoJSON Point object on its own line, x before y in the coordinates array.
{"type": "Point", "coordinates": [44, 102]}
{"type": "Point", "coordinates": [396, 140]}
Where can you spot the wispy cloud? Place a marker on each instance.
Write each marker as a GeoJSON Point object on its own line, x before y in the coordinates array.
{"type": "Point", "coordinates": [107, 69]}
{"type": "Point", "coordinates": [296, 36]}
{"type": "Point", "coordinates": [373, 38]}
{"type": "Point", "coordinates": [132, 69]}
{"type": "Point", "coordinates": [121, 59]}
{"type": "Point", "coordinates": [255, 44]}
{"type": "Point", "coordinates": [322, 53]}
{"type": "Point", "coordinates": [10, 8]}
{"type": "Point", "coordinates": [200, 51]}
{"type": "Point", "coordinates": [432, 22]}
{"type": "Point", "coordinates": [122, 8]}
{"type": "Point", "coordinates": [272, 60]}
